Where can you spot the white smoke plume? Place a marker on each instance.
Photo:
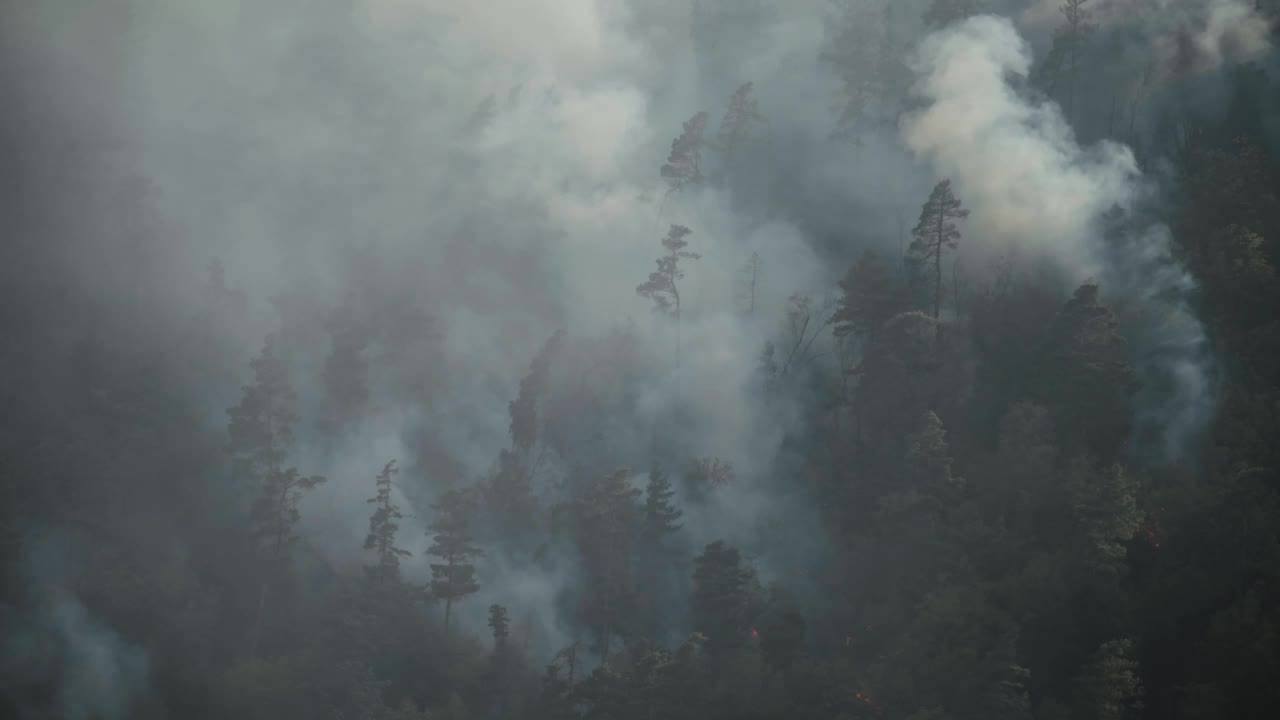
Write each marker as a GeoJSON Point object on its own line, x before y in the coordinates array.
{"type": "Point", "coordinates": [1034, 189]}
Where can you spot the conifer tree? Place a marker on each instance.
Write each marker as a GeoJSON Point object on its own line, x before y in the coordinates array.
{"type": "Point", "coordinates": [1086, 377]}
{"type": "Point", "coordinates": [684, 164]}
{"type": "Point", "coordinates": [606, 516]}
{"type": "Point", "coordinates": [454, 577]}
{"type": "Point", "coordinates": [719, 604]}
{"type": "Point", "coordinates": [869, 297]}
{"type": "Point", "coordinates": [661, 517]}
{"type": "Point", "coordinates": [500, 626]}
{"type": "Point", "coordinates": [662, 286]}
{"type": "Point", "coordinates": [382, 529]}
{"type": "Point", "coordinates": [1061, 66]}
{"type": "Point", "coordinates": [261, 435]}
{"type": "Point", "coordinates": [935, 232]}
{"type": "Point", "coordinates": [1110, 688]}
{"type": "Point", "coordinates": [743, 110]}
{"type": "Point", "coordinates": [509, 493]}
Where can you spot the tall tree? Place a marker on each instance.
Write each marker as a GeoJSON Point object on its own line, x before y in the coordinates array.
{"type": "Point", "coordinates": [1110, 689]}
{"type": "Point", "coordinates": [661, 516]}
{"type": "Point", "coordinates": [500, 626]}
{"type": "Point", "coordinates": [935, 232]}
{"type": "Point", "coordinates": [261, 435]}
{"type": "Point", "coordinates": [743, 110]}
{"type": "Point", "coordinates": [1061, 66]}
{"type": "Point", "coordinates": [869, 297]}
{"type": "Point", "coordinates": [455, 576]}
{"type": "Point", "coordinates": [1086, 378]}
{"type": "Point", "coordinates": [662, 287]}
{"type": "Point", "coordinates": [720, 596]}
{"type": "Point", "coordinates": [605, 522]}
{"type": "Point", "coordinates": [382, 528]}
{"type": "Point", "coordinates": [684, 163]}
{"type": "Point", "coordinates": [509, 493]}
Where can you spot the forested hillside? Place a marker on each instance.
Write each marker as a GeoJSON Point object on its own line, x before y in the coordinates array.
{"type": "Point", "coordinates": [616, 359]}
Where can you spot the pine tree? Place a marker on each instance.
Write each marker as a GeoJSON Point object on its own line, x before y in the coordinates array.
{"type": "Point", "coordinates": [500, 625]}
{"type": "Point", "coordinates": [382, 529]}
{"type": "Point", "coordinates": [1110, 688]}
{"type": "Point", "coordinates": [1104, 505]}
{"type": "Point", "coordinates": [606, 519]}
{"type": "Point", "coordinates": [719, 604]}
{"type": "Point", "coordinates": [869, 297]}
{"type": "Point", "coordinates": [454, 577]}
{"type": "Point", "coordinates": [1086, 379]}
{"type": "Point", "coordinates": [661, 517]}
{"type": "Point", "coordinates": [935, 232]}
{"type": "Point", "coordinates": [1062, 64]}
{"type": "Point", "coordinates": [509, 493]}
{"type": "Point", "coordinates": [261, 435]}
{"type": "Point", "coordinates": [662, 287]}
{"type": "Point", "coordinates": [684, 164]}
{"type": "Point", "coordinates": [743, 110]}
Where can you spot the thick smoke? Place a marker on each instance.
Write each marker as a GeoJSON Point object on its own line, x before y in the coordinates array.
{"type": "Point", "coordinates": [96, 673]}
{"type": "Point", "coordinates": [1036, 192]}
{"type": "Point", "coordinates": [494, 164]}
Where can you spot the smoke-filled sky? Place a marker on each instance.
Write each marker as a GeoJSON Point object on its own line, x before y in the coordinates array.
{"type": "Point", "coordinates": [494, 163]}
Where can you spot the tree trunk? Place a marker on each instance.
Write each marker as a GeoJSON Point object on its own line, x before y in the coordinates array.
{"type": "Point", "coordinates": [937, 283]}
{"type": "Point", "coordinates": [448, 607]}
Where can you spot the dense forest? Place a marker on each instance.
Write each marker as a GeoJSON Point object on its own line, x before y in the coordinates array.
{"type": "Point", "coordinates": [631, 359]}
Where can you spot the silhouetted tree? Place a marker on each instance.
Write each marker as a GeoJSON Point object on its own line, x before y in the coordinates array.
{"type": "Point", "coordinates": [684, 164]}
{"type": "Point", "coordinates": [454, 577]}
{"type": "Point", "coordinates": [500, 626]}
{"type": "Point", "coordinates": [382, 528]}
{"type": "Point", "coordinates": [742, 111]}
{"type": "Point", "coordinates": [261, 434]}
{"type": "Point", "coordinates": [661, 516]}
{"type": "Point", "coordinates": [869, 297]}
{"type": "Point", "coordinates": [935, 232]}
{"type": "Point", "coordinates": [1086, 378]}
{"type": "Point", "coordinates": [662, 287]}
{"type": "Point", "coordinates": [605, 520]}
{"type": "Point", "coordinates": [719, 604]}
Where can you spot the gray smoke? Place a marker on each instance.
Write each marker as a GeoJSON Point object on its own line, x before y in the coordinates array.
{"type": "Point", "coordinates": [1036, 191]}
